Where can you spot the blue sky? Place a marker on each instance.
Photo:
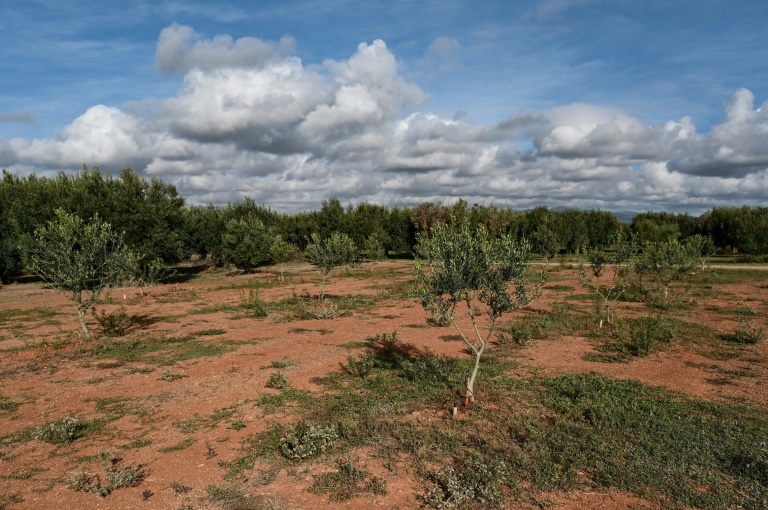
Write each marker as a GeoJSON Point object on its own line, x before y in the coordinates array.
{"type": "Point", "coordinates": [620, 105]}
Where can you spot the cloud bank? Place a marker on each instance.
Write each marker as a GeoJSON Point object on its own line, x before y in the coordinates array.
{"type": "Point", "coordinates": [252, 120]}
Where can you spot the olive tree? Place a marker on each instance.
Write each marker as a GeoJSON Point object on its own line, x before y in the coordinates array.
{"type": "Point", "coordinates": [610, 271]}
{"type": "Point", "coordinates": [374, 247]}
{"type": "Point", "coordinates": [80, 258]}
{"type": "Point", "coordinates": [546, 243]}
{"type": "Point", "coordinates": [246, 242]}
{"type": "Point", "coordinates": [664, 263]}
{"type": "Point", "coordinates": [460, 266]}
{"type": "Point", "coordinates": [281, 251]}
{"type": "Point", "coordinates": [326, 254]}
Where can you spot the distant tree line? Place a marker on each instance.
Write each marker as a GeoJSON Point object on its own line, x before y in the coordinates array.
{"type": "Point", "coordinates": [160, 227]}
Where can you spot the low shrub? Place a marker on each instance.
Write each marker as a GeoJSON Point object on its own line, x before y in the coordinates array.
{"type": "Point", "coordinates": [427, 368]}
{"type": "Point", "coordinates": [277, 381]}
{"type": "Point", "coordinates": [647, 333]}
{"type": "Point", "coordinates": [307, 440]}
{"type": "Point", "coordinates": [118, 476]}
{"type": "Point", "coordinates": [347, 482]}
{"type": "Point", "coordinates": [748, 333]}
{"type": "Point", "coordinates": [362, 366]}
{"type": "Point", "coordinates": [253, 303]}
{"type": "Point", "coordinates": [112, 324]}
{"type": "Point", "coordinates": [473, 480]}
{"type": "Point", "coordinates": [62, 431]}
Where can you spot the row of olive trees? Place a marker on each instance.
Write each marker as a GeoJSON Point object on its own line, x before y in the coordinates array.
{"type": "Point", "coordinates": [149, 213]}
{"type": "Point", "coordinates": [156, 223]}
{"type": "Point", "coordinates": [653, 266]}
{"type": "Point", "coordinates": [84, 258]}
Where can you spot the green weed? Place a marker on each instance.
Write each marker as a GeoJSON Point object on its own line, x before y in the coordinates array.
{"type": "Point", "coordinates": [65, 430]}
{"type": "Point", "coordinates": [182, 445]}
{"type": "Point", "coordinates": [347, 482]}
{"type": "Point", "coordinates": [160, 350]}
{"type": "Point", "coordinates": [276, 380]}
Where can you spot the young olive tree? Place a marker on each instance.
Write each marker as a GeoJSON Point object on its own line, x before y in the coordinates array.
{"type": "Point", "coordinates": [546, 243]}
{"type": "Point", "coordinates": [664, 263]}
{"type": "Point", "coordinates": [80, 258]}
{"type": "Point", "coordinates": [609, 273]}
{"type": "Point", "coordinates": [281, 251]}
{"type": "Point", "coordinates": [329, 253]}
{"type": "Point", "coordinates": [460, 265]}
{"type": "Point", "coordinates": [374, 247]}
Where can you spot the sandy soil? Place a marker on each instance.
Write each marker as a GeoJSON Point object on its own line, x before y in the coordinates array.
{"type": "Point", "coordinates": [43, 368]}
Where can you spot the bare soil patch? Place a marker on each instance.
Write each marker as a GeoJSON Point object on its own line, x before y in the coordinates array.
{"type": "Point", "coordinates": [181, 402]}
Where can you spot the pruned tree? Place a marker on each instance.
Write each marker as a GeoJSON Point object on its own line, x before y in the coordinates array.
{"type": "Point", "coordinates": [609, 272]}
{"type": "Point", "coordinates": [80, 258]}
{"type": "Point", "coordinates": [327, 254]}
{"type": "Point", "coordinates": [461, 266]}
{"type": "Point", "coordinates": [281, 251]}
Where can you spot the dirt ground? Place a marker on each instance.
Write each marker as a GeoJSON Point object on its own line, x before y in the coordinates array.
{"type": "Point", "coordinates": [44, 369]}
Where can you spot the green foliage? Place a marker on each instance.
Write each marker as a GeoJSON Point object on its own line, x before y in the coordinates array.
{"type": "Point", "coordinates": [647, 333]}
{"type": "Point", "coordinates": [118, 476]}
{"type": "Point", "coordinates": [62, 431]}
{"type": "Point", "coordinates": [181, 445]}
{"type": "Point", "coordinates": [428, 368]}
{"type": "Point", "coordinates": [362, 366]}
{"type": "Point", "coordinates": [373, 247]}
{"type": "Point", "coordinates": [80, 258]}
{"type": "Point", "coordinates": [585, 432]}
{"type": "Point", "coordinates": [666, 262]}
{"type": "Point", "coordinates": [276, 380]}
{"type": "Point", "coordinates": [743, 230]}
{"type": "Point", "coordinates": [247, 242]}
{"type": "Point", "coordinates": [559, 321]}
{"type": "Point", "coordinates": [307, 440]}
{"type": "Point", "coordinates": [281, 252]}
{"type": "Point", "coordinates": [465, 266]}
{"type": "Point", "coordinates": [253, 303]}
{"type": "Point", "coordinates": [658, 445]}
{"type": "Point", "coordinates": [7, 405]}
{"type": "Point", "coordinates": [474, 480]}
{"type": "Point", "coordinates": [112, 324]}
{"type": "Point", "coordinates": [329, 253]}
{"type": "Point", "coordinates": [748, 333]}
{"type": "Point", "coordinates": [159, 349]}
{"type": "Point", "coordinates": [546, 242]}
{"type": "Point", "coordinates": [347, 482]}
{"type": "Point", "coordinates": [609, 272]}
{"type": "Point", "coordinates": [170, 376]}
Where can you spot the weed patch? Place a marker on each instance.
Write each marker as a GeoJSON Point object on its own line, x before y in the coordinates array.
{"type": "Point", "coordinates": [747, 333]}
{"type": "Point", "coordinates": [182, 445]}
{"type": "Point", "coordinates": [15, 315]}
{"type": "Point", "coordinates": [307, 440]}
{"type": "Point", "coordinates": [117, 474]}
{"type": "Point", "coordinates": [7, 405]}
{"type": "Point", "coordinates": [112, 324]}
{"type": "Point", "coordinates": [347, 482]}
{"type": "Point", "coordinates": [161, 350]}
{"type": "Point", "coordinates": [276, 380]}
{"type": "Point", "coordinates": [65, 430]}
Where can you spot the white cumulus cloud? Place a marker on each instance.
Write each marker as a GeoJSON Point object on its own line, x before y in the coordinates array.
{"type": "Point", "coordinates": [251, 119]}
